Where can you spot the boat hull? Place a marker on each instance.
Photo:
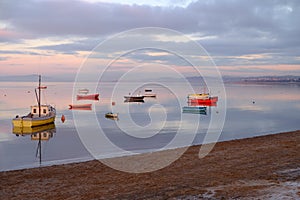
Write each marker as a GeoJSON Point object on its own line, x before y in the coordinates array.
{"type": "Point", "coordinates": [32, 122]}
{"type": "Point", "coordinates": [210, 100]}
{"type": "Point", "coordinates": [197, 103]}
{"type": "Point", "coordinates": [134, 98]}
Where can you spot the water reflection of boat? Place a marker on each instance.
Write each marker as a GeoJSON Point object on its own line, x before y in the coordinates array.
{"type": "Point", "coordinates": [30, 130]}
{"type": "Point", "coordinates": [149, 93]}
{"type": "Point", "coordinates": [39, 115]}
{"type": "Point", "coordinates": [111, 115]}
{"type": "Point", "coordinates": [202, 98]}
{"type": "Point", "coordinates": [88, 97]}
{"type": "Point", "coordinates": [80, 106]}
{"type": "Point", "coordinates": [40, 133]}
{"type": "Point", "coordinates": [136, 101]}
{"type": "Point", "coordinates": [194, 109]}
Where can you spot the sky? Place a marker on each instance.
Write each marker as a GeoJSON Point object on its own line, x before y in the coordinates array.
{"type": "Point", "coordinates": [243, 38]}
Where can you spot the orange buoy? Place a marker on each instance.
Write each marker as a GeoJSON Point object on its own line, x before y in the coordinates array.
{"type": "Point", "coordinates": [63, 119]}
{"type": "Point", "coordinates": [113, 103]}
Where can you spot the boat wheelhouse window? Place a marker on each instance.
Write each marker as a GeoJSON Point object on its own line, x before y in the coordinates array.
{"type": "Point", "coordinates": [148, 90]}
{"type": "Point", "coordinates": [34, 110]}
{"type": "Point", "coordinates": [45, 111]}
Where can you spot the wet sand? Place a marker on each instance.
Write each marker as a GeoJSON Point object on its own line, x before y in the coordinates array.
{"type": "Point", "coordinates": [256, 168]}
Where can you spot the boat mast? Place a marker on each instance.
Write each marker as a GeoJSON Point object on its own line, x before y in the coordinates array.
{"type": "Point", "coordinates": [39, 102]}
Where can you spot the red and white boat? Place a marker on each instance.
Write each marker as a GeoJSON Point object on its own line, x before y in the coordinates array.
{"type": "Point", "coordinates": [88, 97]}
{"type": "Point", "coordinates": [202, 98]}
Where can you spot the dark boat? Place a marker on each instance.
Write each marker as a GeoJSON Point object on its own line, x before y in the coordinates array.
{"type": "Point", "coordinates": [134, 98]}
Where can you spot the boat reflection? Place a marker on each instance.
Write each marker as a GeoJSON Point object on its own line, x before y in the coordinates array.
{"type": "Point", "coordinates": [195, 110]}
{"type": "Point", "coordinates": [39, 133]}
{"type": "Point", "coordinates": [134, 101]}
{"type": "Point", "coordinates": [80, 106]}
{"type": "Point", "coordinates": [94, 97]}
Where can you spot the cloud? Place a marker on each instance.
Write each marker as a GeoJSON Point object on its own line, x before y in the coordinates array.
{"type": "Point", "coordinates": [3, 58]}
{"type": "Point", "coordinates": [70, 48]}
{"type": "Point", "coordinates": [231, 31]}
{"type": "Point", "coordinates": [252, 18]}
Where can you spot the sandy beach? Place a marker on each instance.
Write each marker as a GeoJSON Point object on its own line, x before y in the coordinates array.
{"type": "Point", "coordinates": [255, 168]}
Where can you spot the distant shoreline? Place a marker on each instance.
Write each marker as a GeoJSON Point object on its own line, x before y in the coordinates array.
{"type": "Point", "coordinates": [263, 83]}
{"type": "Point", "coordinates": [226, 79]}
{"type": "Point", "coordinates": [260, 167]}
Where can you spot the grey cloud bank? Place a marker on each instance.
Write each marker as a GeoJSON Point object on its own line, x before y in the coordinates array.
{"type": "Point", "coordinates": [224, 28]}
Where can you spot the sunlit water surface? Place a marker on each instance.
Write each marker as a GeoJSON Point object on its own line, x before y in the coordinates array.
{"type": "Point", "coordinates": [252, 110]}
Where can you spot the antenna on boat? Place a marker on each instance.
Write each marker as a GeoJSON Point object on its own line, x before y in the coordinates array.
{"type": "Point", "coordinates": [39, 102]}
{"type": "Point", "coordinates": [38, 96]}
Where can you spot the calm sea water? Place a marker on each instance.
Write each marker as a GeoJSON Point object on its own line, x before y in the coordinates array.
{"type": "Point", "coordinates": [252, 110]}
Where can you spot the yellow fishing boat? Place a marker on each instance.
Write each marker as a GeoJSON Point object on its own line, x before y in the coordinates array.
{"type": "Point", "coordinates": [39, 115]}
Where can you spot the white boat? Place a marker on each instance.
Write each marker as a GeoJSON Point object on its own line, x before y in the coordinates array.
{"type": "Point", "coordinates": [149, 93]}
{"type": "Point", "coordinates": [39, 115]}
{"type": "Point", "coordinates": [83, 91]}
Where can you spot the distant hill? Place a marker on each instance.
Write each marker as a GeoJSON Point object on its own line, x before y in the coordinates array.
{"type": "Point", "coordinates": [273, 79]}
{"type": "Point", "coordinates": [257, 79]}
